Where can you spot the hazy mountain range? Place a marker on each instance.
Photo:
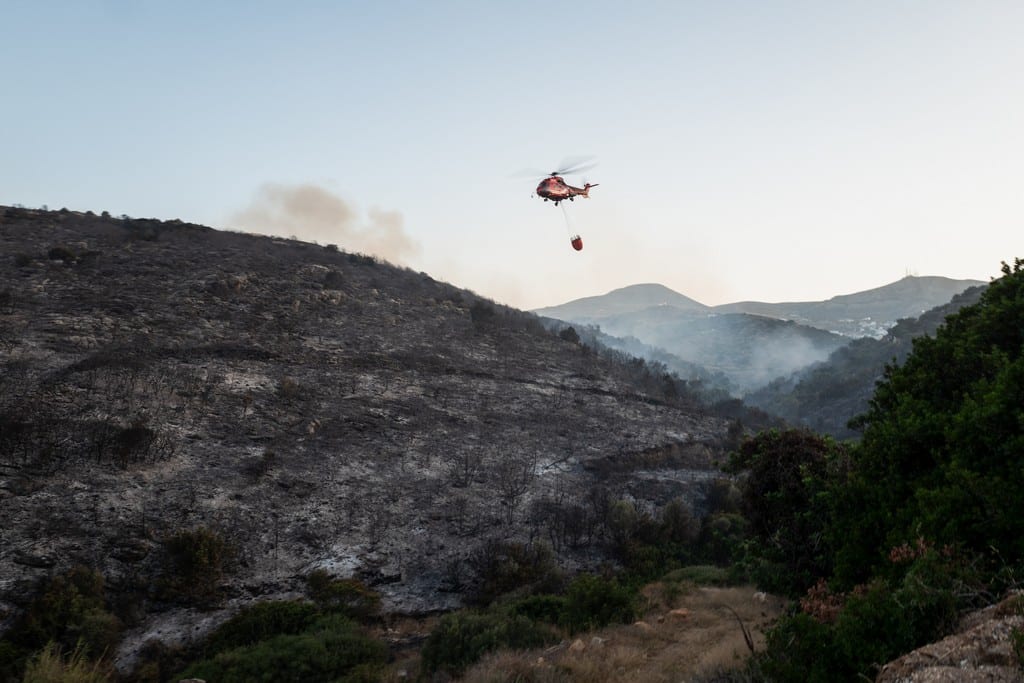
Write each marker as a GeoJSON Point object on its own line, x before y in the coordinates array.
{"type": "Point", "coordinates": [752, 343]}
{"type": "Point", "coordinates": [825, 396]}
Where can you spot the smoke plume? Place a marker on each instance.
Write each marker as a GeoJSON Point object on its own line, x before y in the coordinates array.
{"type": "Point", "coordinates": [313, 214]}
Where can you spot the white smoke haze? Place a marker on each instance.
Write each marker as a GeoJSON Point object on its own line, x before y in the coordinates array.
{"type": "Point", "coordinates": [780, 356]}
{"type": "Point", "coordinates": [314, 214]}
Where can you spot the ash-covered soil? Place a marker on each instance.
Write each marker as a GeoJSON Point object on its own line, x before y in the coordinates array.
{"type": "Point", "coordinates": [314, 408]}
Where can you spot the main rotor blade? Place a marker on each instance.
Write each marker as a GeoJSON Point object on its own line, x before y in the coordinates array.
{"type": "Point", "coordinates": [576, 165]}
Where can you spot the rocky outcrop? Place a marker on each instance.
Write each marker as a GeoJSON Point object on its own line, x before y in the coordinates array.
{"type": "Point", "coordinates": [982, 651]}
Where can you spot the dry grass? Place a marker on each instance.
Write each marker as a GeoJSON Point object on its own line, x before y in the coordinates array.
{"type": "Point", "coordinates": [687, 632]}
{"type": "Point", "coordinates": [50, 665]}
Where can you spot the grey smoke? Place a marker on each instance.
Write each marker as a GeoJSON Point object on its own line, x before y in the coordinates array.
{"type": "Point", "coordinates": [314, 214]}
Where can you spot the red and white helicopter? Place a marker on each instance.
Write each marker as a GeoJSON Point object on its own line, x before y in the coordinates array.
{"type": "Point", "coordinates": [555, 189]}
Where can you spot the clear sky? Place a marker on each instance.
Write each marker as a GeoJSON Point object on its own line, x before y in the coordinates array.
{"type": "Point", "coordinates": [776, 151]}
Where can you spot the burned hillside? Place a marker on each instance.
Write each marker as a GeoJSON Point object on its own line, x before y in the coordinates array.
{"type": "Point", "coordinates": [310, 409]}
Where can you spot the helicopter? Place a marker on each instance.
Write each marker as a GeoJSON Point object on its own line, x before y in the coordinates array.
{"type": "Point", "coordinates": [554, 188]}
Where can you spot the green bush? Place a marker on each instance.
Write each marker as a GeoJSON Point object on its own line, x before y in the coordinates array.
{"type": "Point", "coordinates": [876, 624]}
{"type": "Point", "coordinates": [592, 602]}
{"type": "Point", "coordinates": [461, 638]}
{"type": "Point", "coordinates": [260, 622]}
{"type": "Point", "coordinates": [701, 574]}
{"type": "Point", "coordinates": [623, 521]}
{"type": "Point", "coordinates": [544, 608]}
{"type": "Point", "coordinates": [505, 567]}
{"type": "Point", "coordinates": [801, 650]}
{"type": "Point", "coordinates": [348, 596]}
{"type": "Point", "coordinates": [933, 591]}
{"type": "Point", "coordinates": [70, 615]}
{"type": "Point", "coordinates": [72, 612]}
{"type": "Point", "coordinates": [333, 648]}
{"type": "Point", "coordinates": [785, 496]}
{"type": "Point", "coordinates": [678, 525]}
{"type": "Point", "coordinates": [647, 561]}
{"type": "Point", "coordinates": [649, 546]}
{"type": "Point", "coordinates": [722, 537]}
{"type": "Point", "coordinates": [872, 629]}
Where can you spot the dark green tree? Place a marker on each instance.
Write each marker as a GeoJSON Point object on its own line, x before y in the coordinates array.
{"type": "Point", "coordinates": [785, 500]}
{"type": "Point", "coordinates": [942, 456]}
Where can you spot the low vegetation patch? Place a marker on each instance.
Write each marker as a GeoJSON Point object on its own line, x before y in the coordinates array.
{"type": "Point", "coordinates": [695, 638]}
{"type": "Point", "coordinates": [331, 648]}
{"type": "Point", "coordinates": [50, 665]}
{"type": "Point", "coordinates": [461, 638]}
{"type": "Point", "coordinates": [701, 575]}
{"type": "Point", "coordinates": [262, 621]}
{"type": "Point", "coordinates": [71, 615]}
{"type": "Point", "coordinates": [350, 597]}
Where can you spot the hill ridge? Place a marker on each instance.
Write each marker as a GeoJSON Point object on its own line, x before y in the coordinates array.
{"type": "Point", "coordinates": [320, 409]}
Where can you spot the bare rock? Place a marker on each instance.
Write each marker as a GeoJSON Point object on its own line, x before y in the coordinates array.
{"type": "Point", "coordinates": [982, 651]}
{"type": "Point", "coordinates": [40, 560]}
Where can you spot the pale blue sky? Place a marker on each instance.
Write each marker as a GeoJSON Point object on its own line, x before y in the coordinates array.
{"type": "Point", "coordinates": [748, 150]}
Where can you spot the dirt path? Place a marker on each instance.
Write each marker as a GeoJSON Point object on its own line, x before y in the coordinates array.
{"type": "Point", "coordinates": [681, 637]}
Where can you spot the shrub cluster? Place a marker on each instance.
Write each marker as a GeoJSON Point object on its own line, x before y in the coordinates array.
{"type": "Point", "coordinates": [296, 640]}
{"type": "Point", "coordinates": [589, 602]}
{"type": "Point", "coordinates": [50, 665]}
{"type": "Point", "coordinates": [331, 648]}
{"type": "Point", "coordinates": [462, 638]}
{"type": "Point", "coordinates": [348, 596]}
{"type": "Point", "coordinates": [70, 615]}
{"type": "Point", "coordinates": [873, 624]}
{"type": "Point", "coordinates": [502, 567]}
{"type": "Point", "coordinates": [888, 540]}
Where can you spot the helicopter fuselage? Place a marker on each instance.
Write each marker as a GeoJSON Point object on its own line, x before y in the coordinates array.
{"type": "Point", "coordinates": [554, 188]}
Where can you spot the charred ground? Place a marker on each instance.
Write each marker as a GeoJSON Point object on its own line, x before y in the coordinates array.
{"type": "Point", "coordinates": [312, 408]}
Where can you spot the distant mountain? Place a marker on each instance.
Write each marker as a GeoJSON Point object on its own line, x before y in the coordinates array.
{"type": "Point", "coordinates": [864, 314]}
{"type": "Point", "coordinates": [621, 301]}
{"type": "Point", "coordinates": [827, 395]}
{"type": "Point", "coordinates": [754, 342]}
